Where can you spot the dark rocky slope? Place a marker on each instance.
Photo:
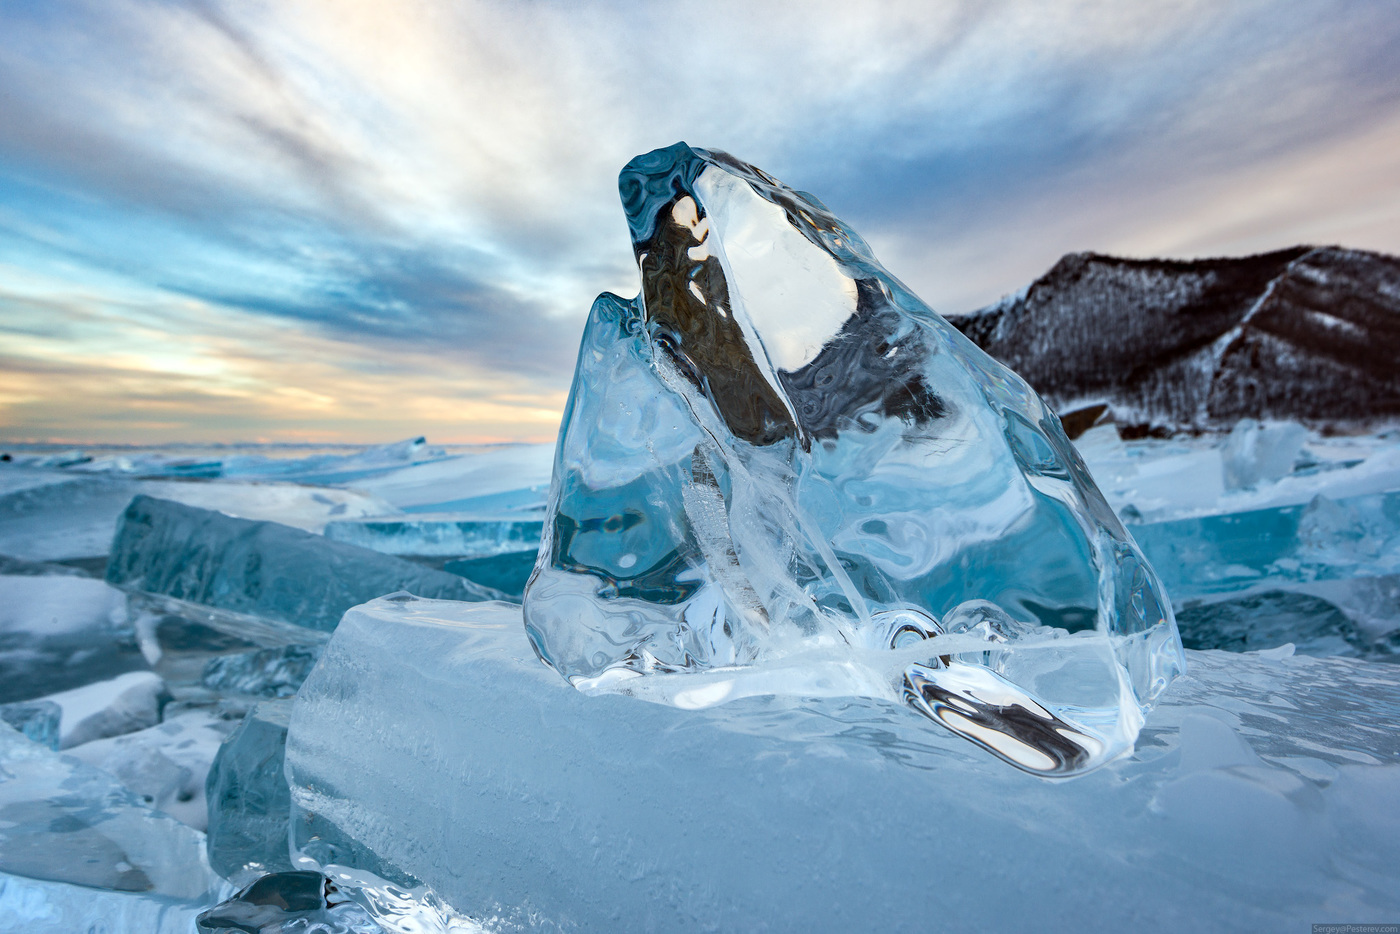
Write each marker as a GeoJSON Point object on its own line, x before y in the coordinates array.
{"type": "Point", "coordinates": [1311, 334]}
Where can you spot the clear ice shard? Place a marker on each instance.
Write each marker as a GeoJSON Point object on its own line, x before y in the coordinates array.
{"type": "Point", "coordinates": [776, 448]}
{"type": "Point", "coordinates": [247, 793]}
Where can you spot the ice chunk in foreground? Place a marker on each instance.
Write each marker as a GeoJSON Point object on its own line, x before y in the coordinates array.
{"type": "Point", "coordinates": [261, 568]}
{"type": "Point", "coordinates": [288, 903]}
{"type": "Point", "coordinates": [430, 746]}
{"type": "Point", "coordinates": [776, 447]}
{"type": "Point", "coordinates": [247, 793]}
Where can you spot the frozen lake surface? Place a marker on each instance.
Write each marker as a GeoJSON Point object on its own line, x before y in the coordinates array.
{"type": "Point", "coordinates": [446, 780]}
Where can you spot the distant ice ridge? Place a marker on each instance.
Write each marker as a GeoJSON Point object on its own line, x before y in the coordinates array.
{"type": "Point", "coordinates": [1268, 535]}
{"type": "Point", "coordinates": [430, 748]}
{"type": "Point", "coordinates": [777, 449]}
{"type": "Point", "coordinates": [238, 461]}
{"type": "Point", "coordinates": [456, 534]}
{"type": "Point", "coordinates": [58, 515]}
{"type": "Point", "coordinates": [60, 508]}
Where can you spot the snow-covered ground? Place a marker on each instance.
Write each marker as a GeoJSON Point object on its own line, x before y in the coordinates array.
{"type": "Point", "coordinates": [1273, 539]}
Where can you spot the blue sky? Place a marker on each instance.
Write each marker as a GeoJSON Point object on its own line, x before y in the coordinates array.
{"type": "Point", "coordinates": [350, 220]}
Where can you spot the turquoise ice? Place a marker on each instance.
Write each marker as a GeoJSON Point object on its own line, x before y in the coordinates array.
{"type": "Point", "coordinates": [776, 457]}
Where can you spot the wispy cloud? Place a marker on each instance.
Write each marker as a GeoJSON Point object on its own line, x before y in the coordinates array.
{"type": "Point", "coordinates": [372, 219]}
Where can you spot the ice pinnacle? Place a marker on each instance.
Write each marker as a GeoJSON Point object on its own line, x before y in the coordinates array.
{"type": "Point", "coordinates": [776, 450]}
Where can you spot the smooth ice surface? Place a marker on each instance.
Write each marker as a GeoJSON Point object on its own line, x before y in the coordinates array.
{"type": "Point", "coordinates": [1262, 795]}
{"type": "Point", "coordinates": [776, 447]}
{"type": "Point", "coordinates": [124, 704]}
{"type": "Point", "coordinates": [246, 790]}
{"type": "Point", "coordinates": [261, 568]}
{"type": "Point", "coordinates": [58, 632]}
{"type": "Point", "coordinates": [459, 535]}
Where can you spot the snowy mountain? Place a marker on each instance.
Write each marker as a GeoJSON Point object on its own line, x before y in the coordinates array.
{"type": "Point", "coordinates": [1308, 333]}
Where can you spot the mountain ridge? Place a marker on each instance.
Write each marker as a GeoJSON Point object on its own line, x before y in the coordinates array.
{"type": "Point", "coordinates": [1306, 333]}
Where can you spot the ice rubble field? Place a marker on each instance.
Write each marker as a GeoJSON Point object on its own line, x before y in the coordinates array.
{"type": "Point", "coordinates": [164, 720]}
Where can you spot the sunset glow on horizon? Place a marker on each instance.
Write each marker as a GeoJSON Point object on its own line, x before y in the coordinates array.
{"type": "Point", "coordinates": [321, 221]}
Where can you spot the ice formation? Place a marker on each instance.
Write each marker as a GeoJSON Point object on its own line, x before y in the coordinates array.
{"type": "Point", "coordinates": [165, 764]}
{"type": "Point", "coordinates": [776, 448]}
{"type": "Point", "coordinates": [128, 702]}
{"type": "Point", "coordinates": [248, 798]}
{"type": "Point", "coordinates": [262, 568]}
{"type": "Point", "coordinates": [457, 535]}
{"type": "Point", "coordinates": [61, 631]}
{"type": "Point", "coordinates": [430, 747]}
{"type": "Point", "coordinates": [274, 672]}
{"type": "Point", "coordinates": [64, 821]}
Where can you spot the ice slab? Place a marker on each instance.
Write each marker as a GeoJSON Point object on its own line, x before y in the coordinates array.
{"type": "Point", "coordinates": [165, 765]}
{"type": "Point", "coordinates": [777, 447]}
{"type": "Point", "coordinates": [260, 568]}
{"type": "Point", "coordinates": [458, 535]}
{"type": "Point", "coordinates": [432, 747]}
{"type": "Point", "coordinates": [246, 790]}
{"type": "Point", "coordinates": [1274, 618]}
{"type": "Point", "coordinates": [76, 516]}
{"type": "Point", "coordinates": [59, 632]}
{"type": "Point", "coordinates": [63, 821]}
{"type": "Point", "coordinates": [247, 793]}
{"type": "Point", "coordinates": [508, 572]}
{"type": "Point", "coordinates": [1346, 552]}
{"type": "Point", "coordinates": [124, 704]}
{"type": "Point", "coordinates": [19, 567]}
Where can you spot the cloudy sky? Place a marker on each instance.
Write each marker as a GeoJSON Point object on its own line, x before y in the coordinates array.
{"type": "Point", "coordinates": [361, 220]}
